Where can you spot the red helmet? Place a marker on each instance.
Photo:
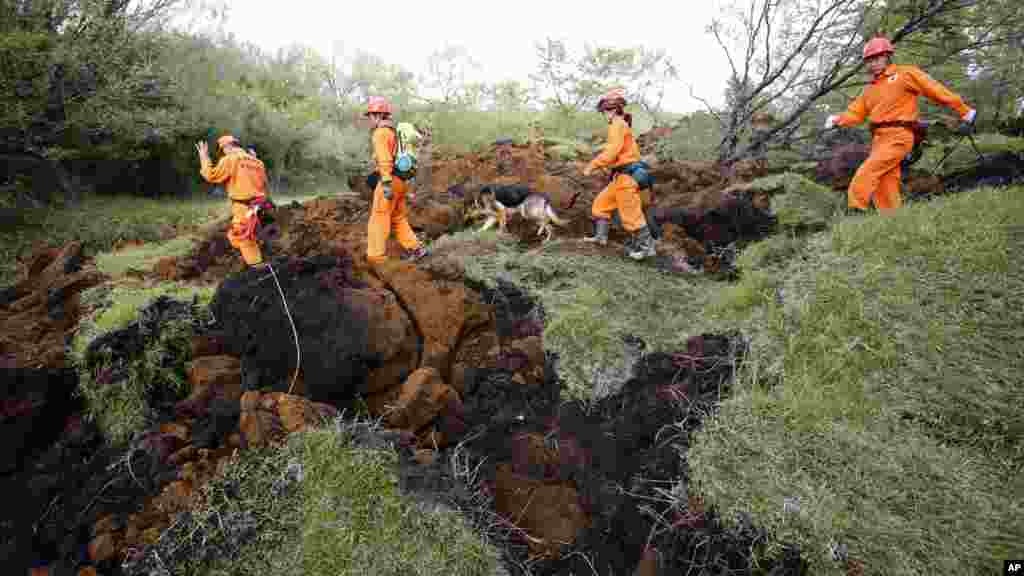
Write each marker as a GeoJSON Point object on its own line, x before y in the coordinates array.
{"type": "Point", "coordinates": [614, 98]}
{"type": "Point", "coordinates": [378, 104]}
{"type": "Point", "coordinates": [876, 46]}
{"type": "Point", "coordinates": [225, 140]}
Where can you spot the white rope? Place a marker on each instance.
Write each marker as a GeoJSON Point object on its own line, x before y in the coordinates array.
{"type": "Point", "coordinates": [295, 333]}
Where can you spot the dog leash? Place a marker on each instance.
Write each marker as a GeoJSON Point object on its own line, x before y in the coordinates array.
{"type": "Point", "coordinates": [295, 333]}
{"type": "Point", "coordinates": [974, 144]}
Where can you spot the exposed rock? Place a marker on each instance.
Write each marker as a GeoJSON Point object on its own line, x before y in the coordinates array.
{"type": "Point", "coordinates": [422, 397]}
{"type": "Point", "coordinates": [102, 548]}
{"type": "Point", "coordinates": [551, 514]}
{"type": "Point", "coordinates": [443, 310]}
{"type": "Point", "coordinates": [216, 376]}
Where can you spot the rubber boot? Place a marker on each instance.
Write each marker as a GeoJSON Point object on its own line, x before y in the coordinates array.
{"type": "Point", "coordinates": [600, 232]}
{"type": "Point", "coordinates": [643, 245]}
{"type": "Point", "coordinates": [652, 222]}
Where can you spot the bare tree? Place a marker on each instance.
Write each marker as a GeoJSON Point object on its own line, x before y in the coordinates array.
{"type": "Point", "coordinates": [446, 73]}
{"type": "Point", "coordinates": [574, 82]}
{"type": "Point", "coordinates": [792, 53]}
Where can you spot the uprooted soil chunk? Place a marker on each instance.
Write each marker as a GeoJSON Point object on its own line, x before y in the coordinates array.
{"type": "Point", "coordinates": [736, 218]}
{"type": "Point", "coordinates": [34, 403]}
{"type": "Point", "coordinates": [118, 346]}
{"type": "Point", "coordinates": [345, 329]}
{"type": "Point", "coordinates": [579, 488]}
{"type": "Point", "coordinates": [68, 489]}
{"type": "Point", "coordinates": [1002, 169]}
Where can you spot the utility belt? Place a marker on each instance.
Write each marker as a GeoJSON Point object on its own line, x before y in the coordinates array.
{"type": "Point", "coordinates": [374, 177]}
{"type": "Point", "coordinates": [250, 201]}
{"type": "Point", "coordinates": [908, 124]}
{"type": "Point", "coordinates": [638, 171]}
{"type": "Point", "coordinates": [262, 216]}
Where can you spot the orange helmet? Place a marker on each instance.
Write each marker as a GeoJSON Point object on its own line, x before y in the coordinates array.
{"type": "Point", "coordinates": [378, 104]}
{"type": "Point", "coordinates": [876, 46]}
{"type": "Point", "coordinates": [614, 98]}
{"type": "Point", "coordinates": [225, 140]}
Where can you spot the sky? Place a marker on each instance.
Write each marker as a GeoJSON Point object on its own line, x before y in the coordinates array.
{"type": "Point", "coordinates": [499, 35]}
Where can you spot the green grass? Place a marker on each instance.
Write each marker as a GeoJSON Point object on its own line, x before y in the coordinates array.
{"type": "Point", "coordinates": [592, 302]}
{"type": "Point", "coordinates": [119, 408]}
{"type": "Point", "coordinates": [322, 506]}
{"type": "Point", "coordinates": [144, 257]}
{"type": "Point", "coordinates": [804, 204]}
{"type": "Point", "coordinates": [883, 393]}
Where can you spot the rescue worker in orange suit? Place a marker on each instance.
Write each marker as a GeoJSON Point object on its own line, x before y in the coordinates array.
{"type": "Point", "coordinates": [890, 103]}
{"type": "Point", "coordinates": [245, 179]}
{"type": "Point", "coordinates": [622, 192]}
{"type": "Point", "coordinates": [389, 196]}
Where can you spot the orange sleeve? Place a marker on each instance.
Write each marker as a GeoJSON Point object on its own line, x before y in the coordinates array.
{"type": "Point", "coordinates": [383, 141]}
{"type": "Point", "coordinates": [855, 114]}
{"type": "Point", "coordinates": [220, 173]}
{"type": "Point", "coordinates": [936, 91]}
{"type": "Point", "coordinates": [616, 140]}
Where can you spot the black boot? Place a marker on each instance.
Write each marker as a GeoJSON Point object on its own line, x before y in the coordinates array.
{"type": "Point", "coordinates": [643, 245]}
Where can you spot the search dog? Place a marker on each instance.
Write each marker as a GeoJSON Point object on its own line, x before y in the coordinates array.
{"type": "Point", "coordinates": [497, 201]}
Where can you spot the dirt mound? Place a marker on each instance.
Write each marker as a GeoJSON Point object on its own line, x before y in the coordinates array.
{"type": "Point", "coordinates": [34, 407]}
{"type": "Point", "coordinates": [1002, 169]}
{"type": "Point", "coordinates": [41, 308]}
{"type": "Point", "coordinates": [738, 217]}
{"type": "Point", "coordinates": [837, 169]}
{"type": "Point", "coordinates": [319, 227]}
{"type": "Point", "coordinates": [595, 489]}
{"type": "Point", "coordinates": [353, 338]}
{"type": "Point", "coordinates": [37, 316]}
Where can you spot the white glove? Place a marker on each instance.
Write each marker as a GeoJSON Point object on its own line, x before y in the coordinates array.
{"type": "Point", "coordinates": [831, 121]}
{"type": "Point", "coordinates": [969, 117]}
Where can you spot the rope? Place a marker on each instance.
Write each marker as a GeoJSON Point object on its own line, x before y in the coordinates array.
{"type": "Point", "coordinates": [295, 333]}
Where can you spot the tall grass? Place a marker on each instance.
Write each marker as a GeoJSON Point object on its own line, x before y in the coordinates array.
{"type": "Point", "coordinates": [880, 413]}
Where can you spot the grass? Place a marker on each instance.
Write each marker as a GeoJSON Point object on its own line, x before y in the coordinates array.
{"type": "Point", "coordinates": [592, 302]}
{"type": "Point", "coordinates": [119, 408]}
{"type": "Point", "coordinates": [882, 398]}
{"type": "Point", "coordinates": [323, 505]}
{"type": "Point", "coordinates": [804, 204]}
{"type": "Point", "coordinates": [143, 257]}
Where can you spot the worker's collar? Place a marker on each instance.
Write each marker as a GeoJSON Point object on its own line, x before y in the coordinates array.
{"type": "Point", "coordinates": [890, 70]}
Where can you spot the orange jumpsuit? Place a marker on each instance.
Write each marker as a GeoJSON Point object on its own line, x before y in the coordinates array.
{"type": "Point", "coordinates": [622, 192]}
{"type": "Point", "coordinates": [387, 215]}
{"type": "Point", "coordinates": [246, 179]}
{"type": "Point", "coordinates": [891, 97]}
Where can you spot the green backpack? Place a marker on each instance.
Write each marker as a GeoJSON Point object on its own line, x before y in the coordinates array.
{"type": "Point", "coordinates": [405, 159]}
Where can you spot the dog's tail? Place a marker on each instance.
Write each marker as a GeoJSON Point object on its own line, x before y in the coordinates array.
{"type": "Point", "coordinates": [554, 217]}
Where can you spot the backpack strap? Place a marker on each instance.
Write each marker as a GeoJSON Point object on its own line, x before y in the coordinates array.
{"type": "Point", "coordinates": [399, 148]}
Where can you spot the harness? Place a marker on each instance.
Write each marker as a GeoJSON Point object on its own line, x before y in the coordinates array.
{"type": "Point", "coordinates": [261, 213]}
